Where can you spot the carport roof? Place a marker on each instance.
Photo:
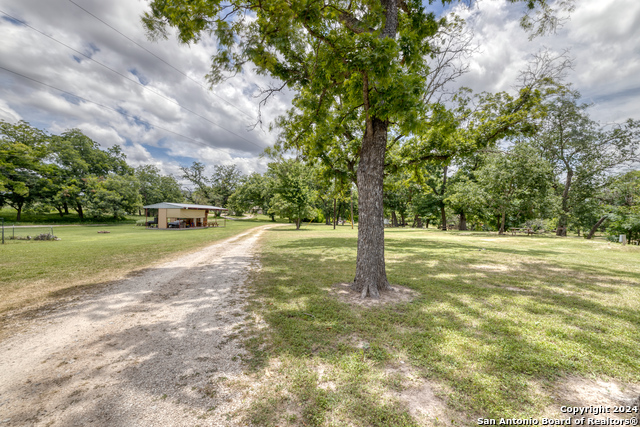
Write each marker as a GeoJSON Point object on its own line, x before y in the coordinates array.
{"type": "Point", "coordinates": [166, 205]}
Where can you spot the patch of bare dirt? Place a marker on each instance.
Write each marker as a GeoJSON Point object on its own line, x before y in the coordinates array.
{"type": "Point", "coordinates": [158, 348]}
{"type": "Point", "coordinates": [397, 294]}
{"type": "Point", "coordinates": [582, 392]}
{"type": "Point", "coordinates": [421, 398]}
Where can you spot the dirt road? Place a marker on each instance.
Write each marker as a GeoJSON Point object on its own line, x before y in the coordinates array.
{"type": "Point", "coordinates": [157, 349]}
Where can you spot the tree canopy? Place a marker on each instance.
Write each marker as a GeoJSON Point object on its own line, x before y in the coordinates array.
{"type": "Point", "coordinates": [364, 63]}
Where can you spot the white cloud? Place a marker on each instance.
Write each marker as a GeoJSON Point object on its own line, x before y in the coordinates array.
{"type": "Point", "coordinates": [601, 33]}
{"type": "Point", "coordinates": [601, 36]}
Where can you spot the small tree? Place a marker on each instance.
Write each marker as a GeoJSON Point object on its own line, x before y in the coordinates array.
{"type": "Point", "coordinates": [513, 184]}
{"type": "Point", "coordinates": [582, 151]}
{"type": "Point", "coordinates": [114, 195]}
{"type": "Point", "coordinates": [157, 188]}
{"type": "Point", "coordinates": [293, 197]}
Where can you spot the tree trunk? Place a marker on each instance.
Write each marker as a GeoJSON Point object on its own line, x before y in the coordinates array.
{"type": "Point", "coordinates": [427, 223]}
{"type": "Point", "coordinates": [334, 213]}
{"type": "Point", "coordinates": [19, 215]}
{"type": "Point", "coordinates": [561, 230]}
{"type": "Point", "coordinates": [79, 210]}
{"type": "Point", "coordinates": [327, 218]}
{"type": "Point", "coordinates": [59, 209]}
{"type": "Point", "coordinates": [371, 275]}
{"type": "Point", "coordinates": [394, 219]}
{"type": "Point", "coordinates": [352, 219]}
{"type": "Point", "coordinates": [66, 208]}
{"type": "Point", "coordinates": [297, 223]}
{"type": "Point", "coordinates": [463, 221]}
{"type": "Point", "coordinates": [402, 219]}
{"type": "Point", "coordinates": [595, 227]}
{"type": "Point", "coordinates": [502, 221]}
{"type": "Point", "coordinates": [442, 191]}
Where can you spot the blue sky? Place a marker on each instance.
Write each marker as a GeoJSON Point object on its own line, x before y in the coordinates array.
{"type": "Point", "coordinates": [214, 126]}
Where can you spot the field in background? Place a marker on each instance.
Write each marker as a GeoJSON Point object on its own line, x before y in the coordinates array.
{"type": "Point", "coordinates": [498, 324]}
{"type": "Point", "coordinates": [32, 272]}
{"type": "Point", "coordinates": [29, 218]}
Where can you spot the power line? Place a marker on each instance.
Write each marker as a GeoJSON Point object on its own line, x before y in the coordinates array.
{"type": "Point", "coordinates": [161, 59]}
{"type": "Point", "coordinates": [202, 143]}
{"type": "Point", "coordinates": [130, 79]}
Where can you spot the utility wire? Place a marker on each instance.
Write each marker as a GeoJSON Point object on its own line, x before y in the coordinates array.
{"type": "Point", "coordinates": [130, 79]}
{"type": "Point", "coordinates": [167, 63]}
{"type": "Point", "coordinates": [202, 143]}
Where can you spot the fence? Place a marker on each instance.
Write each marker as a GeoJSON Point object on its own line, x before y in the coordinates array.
{"type": "Point", "coordinates": [26, 232]}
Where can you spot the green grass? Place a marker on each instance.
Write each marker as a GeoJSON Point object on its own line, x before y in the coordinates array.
{"type": "Point", "coordinates": [33, 271]}
{"type": "Point", "coordinates": [32, 218]}
{"type": "Point", "coordinates": [497, 323]}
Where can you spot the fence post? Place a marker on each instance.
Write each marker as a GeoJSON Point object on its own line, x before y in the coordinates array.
{"type": "Point", "coordinates": [2, 230]}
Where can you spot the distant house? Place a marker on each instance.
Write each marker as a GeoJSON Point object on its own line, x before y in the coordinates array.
{"type": "Point", "coordinates": [181, 215]}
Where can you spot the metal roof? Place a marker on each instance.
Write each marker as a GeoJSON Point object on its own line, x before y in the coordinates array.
{"type": "Point", "coordinates": [166, 205]}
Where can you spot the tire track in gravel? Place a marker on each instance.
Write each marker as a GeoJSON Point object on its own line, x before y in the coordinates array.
{"type": "Point", "coordinates": [156, 349]}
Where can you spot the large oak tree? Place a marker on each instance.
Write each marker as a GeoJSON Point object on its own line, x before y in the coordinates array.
{"type": "Point", "coordinates": [365, 61]}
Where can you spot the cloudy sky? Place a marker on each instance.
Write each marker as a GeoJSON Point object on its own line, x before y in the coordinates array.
{"type": "Point", "coordinates": [66, 64]}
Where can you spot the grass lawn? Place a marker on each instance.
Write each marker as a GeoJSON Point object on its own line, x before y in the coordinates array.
{"type": "Point", "coordinates": [498, 323]}
{"type": "Point", "coordinates": [31, 218]}
{"type": "Point", "coordinates": [31, 272]}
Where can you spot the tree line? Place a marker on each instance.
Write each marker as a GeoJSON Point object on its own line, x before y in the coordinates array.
{"type": "Point", "coordinates": [44, 172]}
{"type": "Point", "coordinates": [566, 172]}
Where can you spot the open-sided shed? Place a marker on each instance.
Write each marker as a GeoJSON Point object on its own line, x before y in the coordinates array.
{"type": "Point", "coordinates": [181, 215]}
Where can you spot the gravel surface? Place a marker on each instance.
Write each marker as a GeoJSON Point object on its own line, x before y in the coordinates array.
{"type": "Point", "coordinates": [156, 349]}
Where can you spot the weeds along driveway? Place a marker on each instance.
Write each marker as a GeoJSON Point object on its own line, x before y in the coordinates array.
{"type": "Point", "coordinates": [154, 349]}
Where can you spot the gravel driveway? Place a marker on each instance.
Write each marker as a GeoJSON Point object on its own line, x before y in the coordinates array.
{"type": "Point", "coordinates": [156, 349]}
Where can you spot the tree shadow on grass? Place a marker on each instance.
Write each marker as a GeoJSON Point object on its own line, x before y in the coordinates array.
{"type": "Point", "coordinates": [496, 337]}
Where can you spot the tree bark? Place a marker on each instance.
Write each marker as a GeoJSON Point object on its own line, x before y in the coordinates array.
{"type": "Point", "coordinates": [394, 219]}
{"type": "Point", "coordinates": [463, 221]}
{"type": "Point", "coordinates": [371, 275]}
{"type": "Point", "coordinates": [427, 223]}
{"type": "Point", "coordinates": [402, 219]}
{"type": "Point", "coordinates": [595, 227]}
{"type": "Point", "coordinates": [79, 210]}
{"type": "Point", "coordinates": [19, 215]}
{"type": "Point", "coordinates": [59, 209]}
{"type": "Point", "coordinates": [502, 221]}
{"type": "Point", "coordinates": [66, 208]}
{"type": "Point", "coordinates": [443, 217]}
{"type": "Point", "coordinates": [334, 213]}
{"type": "Point", "coordinates": [561, 229]}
